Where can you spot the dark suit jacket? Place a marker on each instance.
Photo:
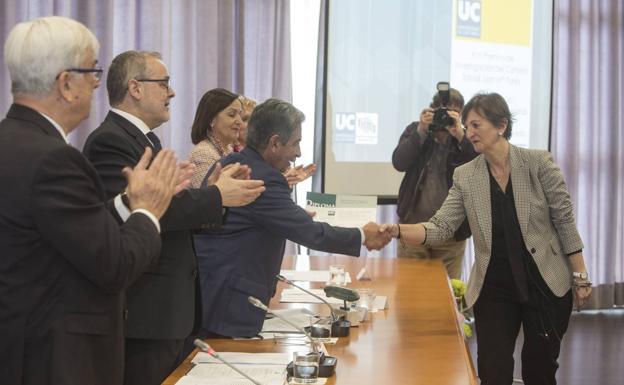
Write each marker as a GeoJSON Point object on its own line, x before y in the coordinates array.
{"type": "Point", "coordinates": [161, 303]}
{"type": "Point", "coordinates": [243, 258]}
{"type": "Point", "coordinates": [64, 263]}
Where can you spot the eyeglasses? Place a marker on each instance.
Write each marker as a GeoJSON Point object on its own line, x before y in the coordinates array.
{"type": "Point", "coordinates": [164, 83]}
{"type": "Point", "coordinates": [97, 72]}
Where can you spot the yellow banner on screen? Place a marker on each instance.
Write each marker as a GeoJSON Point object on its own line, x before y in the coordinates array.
{"type": "Point", "coordinates": [494, 21]}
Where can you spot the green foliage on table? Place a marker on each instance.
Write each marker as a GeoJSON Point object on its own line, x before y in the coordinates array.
{"type": "Point", "coordinates": [459, 290]}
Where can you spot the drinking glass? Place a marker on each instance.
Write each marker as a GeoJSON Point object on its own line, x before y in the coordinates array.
{"type": "Point", "coordinates": [305, 367]}
{"type": "Point", "coordinates": [367, 298]}
{"type": "Point", "coordinates": [337, 275]}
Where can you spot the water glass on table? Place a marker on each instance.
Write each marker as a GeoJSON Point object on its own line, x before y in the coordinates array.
{"type": "Point", "coordinates": [305, 367]}
{"type": "Point", "coordinates": [337, 275]}
{"type": "Point", "coordinates": [367, 298]}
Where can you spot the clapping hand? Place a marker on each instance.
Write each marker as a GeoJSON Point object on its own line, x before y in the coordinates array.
{"type": "Point", "coordinates": [235, 186]}
{"type": "Point", "coordinates": [298, 174]}
{"type": "Point", "coordinates": [152, 188]}
{"type": "Point", "coordinates": [241, 172]}
{"type": "Point", "coordinates": [186, 170]}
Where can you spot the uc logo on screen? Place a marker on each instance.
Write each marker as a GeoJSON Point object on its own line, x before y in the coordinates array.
{"type": "Point", "coordinates": [469, 18]}
{"type": "Point", "coordinates": [345, 121]}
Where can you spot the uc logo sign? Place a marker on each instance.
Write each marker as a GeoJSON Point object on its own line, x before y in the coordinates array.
{"type": "Point", "coordinates": [345, 121]}
{"type": "Point", "coordinates": [469, 18]}
{"type": "Point", "coordinates": [468, 10]}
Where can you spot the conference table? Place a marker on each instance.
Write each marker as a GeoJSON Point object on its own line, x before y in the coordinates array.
{"type": "Point", "coordinates": [416, 340]}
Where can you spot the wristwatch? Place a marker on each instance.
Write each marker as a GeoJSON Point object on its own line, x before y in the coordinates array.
{"type": "Point", "coordinates": [581, 275]}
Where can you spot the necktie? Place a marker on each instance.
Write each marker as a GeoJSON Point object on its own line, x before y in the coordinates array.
{"type": "Point", "coordinates": [155, 141]}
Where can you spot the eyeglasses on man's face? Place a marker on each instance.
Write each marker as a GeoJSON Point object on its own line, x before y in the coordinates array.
{"type": "Point", "coordinates": [164, 83]}
{"type": "Point", "coordinates": [97, 72]}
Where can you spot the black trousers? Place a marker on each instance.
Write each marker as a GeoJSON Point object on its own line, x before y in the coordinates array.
{"type": "Point", "coordinates": [498, 317]}
{"type": "Point", "coordinates": [149, 362]}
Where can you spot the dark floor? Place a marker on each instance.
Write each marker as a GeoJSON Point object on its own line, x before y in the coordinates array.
{"type": "Point", "coordinates": [592, 352]}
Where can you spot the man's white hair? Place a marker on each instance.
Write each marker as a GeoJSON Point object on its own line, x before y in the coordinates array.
{"type": "Point", "coordinates": [37, 51]}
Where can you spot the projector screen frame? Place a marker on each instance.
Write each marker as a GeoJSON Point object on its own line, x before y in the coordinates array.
{"type": "Point", "coordinates": [392, 199]}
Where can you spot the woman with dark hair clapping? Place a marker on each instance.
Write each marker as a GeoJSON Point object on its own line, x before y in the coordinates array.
{"type": "Point", "coordinates": [216, 129]}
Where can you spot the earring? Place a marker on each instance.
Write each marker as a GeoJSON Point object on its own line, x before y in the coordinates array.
{"type": "Point", "coordinates": [500, 133]}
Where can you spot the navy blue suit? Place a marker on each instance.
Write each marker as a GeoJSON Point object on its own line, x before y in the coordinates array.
{"type": "Point", "coordinates": [243, 258]}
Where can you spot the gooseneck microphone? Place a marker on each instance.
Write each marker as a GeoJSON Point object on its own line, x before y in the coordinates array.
{"type": "Point", "coordinates": [291, 283]}
{"type": "Point", "coordinates": [340, 326]}
{"type": "Point", "coordinates": [327, 364]}
{"type": "Point", "coordinates": [343, 293]}
{"type": "Point", "coordinates": [257, 303]}
{"type": "Point", "coordinates": [204, 347]}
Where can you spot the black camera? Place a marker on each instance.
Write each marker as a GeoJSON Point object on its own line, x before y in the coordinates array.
{"type": "Point", "coordinates": [441, 118]}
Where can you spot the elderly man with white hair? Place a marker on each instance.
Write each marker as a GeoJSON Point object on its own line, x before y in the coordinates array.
{"type": "Point", "coordinates": [65, 260]}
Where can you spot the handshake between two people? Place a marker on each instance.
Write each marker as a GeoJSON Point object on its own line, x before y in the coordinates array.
{"type": "Point", "coordinates": [378, 236]}
{"type": "Point", "coordinates": [153, 182]}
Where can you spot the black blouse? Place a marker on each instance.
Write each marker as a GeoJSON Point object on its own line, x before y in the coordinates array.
{"type": "Point", "coordinates": [507, 262]}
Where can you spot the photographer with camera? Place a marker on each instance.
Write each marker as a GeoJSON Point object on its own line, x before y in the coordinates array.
{"type": "Point", "coordinates": [428, 152]}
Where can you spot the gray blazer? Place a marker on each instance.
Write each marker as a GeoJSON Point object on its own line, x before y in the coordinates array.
{"type": "Point", "coordinates": [544, 212]}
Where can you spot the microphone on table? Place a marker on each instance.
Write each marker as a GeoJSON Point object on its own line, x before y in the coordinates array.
{"type": "Point", "coordinates": [343, 293]}
{"type": "Point", "coordinates": [346, 295]}
{"type": "Point", "coordinates": [327, 364]}
{"type": "Point", "coordinates": [204, 347]}
{"type": "Point", "coordinates": [340, 325]}
{"type": "Point", "coordinates": [257, 303]}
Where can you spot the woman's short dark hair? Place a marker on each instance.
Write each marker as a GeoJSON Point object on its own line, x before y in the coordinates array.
{"type": "Point", "coordinates": [213, 102]}
{"type": "Point", "coordinates": [274, 116]}
{"type": "Point", "coordinates": [492, 107]}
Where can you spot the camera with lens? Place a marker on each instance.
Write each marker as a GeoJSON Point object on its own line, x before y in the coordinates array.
{"type": "Point", "coordinates": [441, 117]}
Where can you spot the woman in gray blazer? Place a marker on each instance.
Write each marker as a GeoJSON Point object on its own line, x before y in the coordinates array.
{"type": "Point", "coordinates": [529, 266]}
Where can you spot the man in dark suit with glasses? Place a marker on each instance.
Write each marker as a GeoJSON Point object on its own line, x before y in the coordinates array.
{"type": "Point", "coordinates": [163, 304]}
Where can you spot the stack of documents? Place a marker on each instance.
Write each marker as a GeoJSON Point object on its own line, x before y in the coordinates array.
{"type": "Point", "coordinates": [276, 328]}
{"type": "Point", "coordinates": [266, 368]}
